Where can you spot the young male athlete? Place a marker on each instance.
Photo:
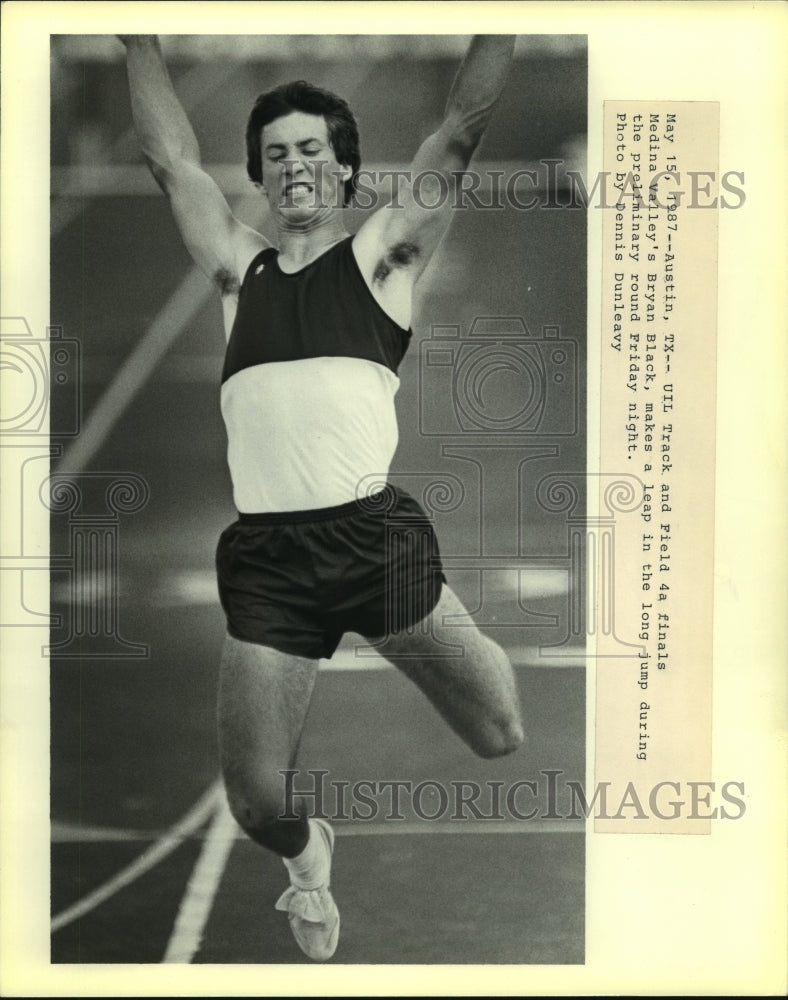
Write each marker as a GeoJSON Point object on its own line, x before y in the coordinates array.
{"type": "Point", "coordinates": [316, 330]}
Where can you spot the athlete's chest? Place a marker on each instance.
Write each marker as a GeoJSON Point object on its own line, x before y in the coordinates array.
{"type": "Point", "coordinates": [324, 310]}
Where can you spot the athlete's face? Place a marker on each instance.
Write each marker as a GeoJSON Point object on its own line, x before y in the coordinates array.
{"type": "Point", "coordinates": [301, 175]}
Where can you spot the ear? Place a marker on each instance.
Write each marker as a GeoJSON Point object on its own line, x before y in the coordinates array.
{"type": "Point", "coordinates": [345, 172]}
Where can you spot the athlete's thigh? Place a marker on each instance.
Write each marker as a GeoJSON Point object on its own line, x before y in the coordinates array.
{"type": "Point", "coordinates": [446, 653]}
{"type": "Point", "coordinates": [264, 695]}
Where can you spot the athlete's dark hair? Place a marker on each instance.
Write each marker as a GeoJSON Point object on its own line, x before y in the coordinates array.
{"type": "Point", "coordinates": [303, 96]}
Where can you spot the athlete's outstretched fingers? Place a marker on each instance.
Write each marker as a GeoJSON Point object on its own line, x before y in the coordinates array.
{"type": "Point", "coordinates": [264, 695]}
{"type": "Point", "coordinates": [466, 676]}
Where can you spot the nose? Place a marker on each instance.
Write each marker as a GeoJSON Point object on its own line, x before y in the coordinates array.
{"type": "Point", "coordinates": [294, 167]}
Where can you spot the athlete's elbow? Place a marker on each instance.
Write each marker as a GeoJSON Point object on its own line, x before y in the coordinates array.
{"type": "Point", "coordinates": [167, 168]}
{"type": "Point", "coordinates": [464, 130]}
{"type": "Point", "coordinates": [161, 174]}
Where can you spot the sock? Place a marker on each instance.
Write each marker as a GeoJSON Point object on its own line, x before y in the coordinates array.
{"type": "Point", "coordinates": [311, 867]}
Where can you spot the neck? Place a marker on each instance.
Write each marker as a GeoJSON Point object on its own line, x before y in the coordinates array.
{"type": "Point", "coordinates": [299, 245]}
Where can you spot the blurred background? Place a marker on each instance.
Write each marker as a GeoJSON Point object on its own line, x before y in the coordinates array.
{"type": "Point", "coordinates": [133, 698]}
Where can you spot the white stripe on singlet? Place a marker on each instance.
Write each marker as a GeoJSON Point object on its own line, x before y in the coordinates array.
{"type": "Point", "coordinates": [307, 434]}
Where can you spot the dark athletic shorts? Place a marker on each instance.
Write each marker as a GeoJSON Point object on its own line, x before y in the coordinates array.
{"type": "Point", "coordinates": [298, 580]}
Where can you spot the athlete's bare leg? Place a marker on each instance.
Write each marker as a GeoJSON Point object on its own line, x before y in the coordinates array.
{"type": "Point", "coordinates": [474, 689]}
{"type": "Point", "coordinates": [263, 700]}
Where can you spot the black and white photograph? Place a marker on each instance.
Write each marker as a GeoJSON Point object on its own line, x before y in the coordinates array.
{"type": "Point", "coordinates": [392, 489]}
{"type": "Point", "coordinates": [317, 678]}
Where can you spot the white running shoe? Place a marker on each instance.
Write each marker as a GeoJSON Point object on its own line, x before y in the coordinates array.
{"type": "Point", "coordinates": [313, 914]}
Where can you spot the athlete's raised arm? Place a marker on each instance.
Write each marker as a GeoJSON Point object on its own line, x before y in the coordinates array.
{"type": "Point", "coordinates": [220, 245]}
{"type": "Point", "coordinates": [397, 242]}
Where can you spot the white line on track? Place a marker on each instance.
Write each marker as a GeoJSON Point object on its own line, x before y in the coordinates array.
{"type": "Point", "coordinates": [521, 656]}
{"type": "Point", "coordinates": [172, 319]}
{"type": "Point", "coordinates": [414, 828]}
{"type": "Point", "coordinates": [70, 834]}
{"type": "Point", "coordinates": [172, 838]}
{"type": "Point", "coordinates": [193, 587]}
{"type": "Point", "coordinates": [202, 887]}
{"type": "Point", "coordinates": [135, 371]}
{"type": "Point", "coordinates": [73, 833]}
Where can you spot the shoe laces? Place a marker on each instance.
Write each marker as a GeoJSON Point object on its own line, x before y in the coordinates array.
{"type": "Point", "coordinates": [308, 904]}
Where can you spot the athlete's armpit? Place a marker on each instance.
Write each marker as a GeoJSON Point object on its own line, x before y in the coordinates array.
{"type": "Point", "coordinates": [227, 282]}
{"type": "Point", "coordinates": [401, 255]}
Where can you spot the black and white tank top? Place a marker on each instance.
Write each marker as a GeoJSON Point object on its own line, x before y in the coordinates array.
{"type": "Point", "coordinates": [308, 385]}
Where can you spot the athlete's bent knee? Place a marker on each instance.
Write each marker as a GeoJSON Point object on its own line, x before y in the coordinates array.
{"type": "Point", "coordinates": [266, 821]}
{"type": "Point", "coordinates": [500, 739]}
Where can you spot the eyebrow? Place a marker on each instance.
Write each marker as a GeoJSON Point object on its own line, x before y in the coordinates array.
{"type": "Point", "coordinates": [301, 142]}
